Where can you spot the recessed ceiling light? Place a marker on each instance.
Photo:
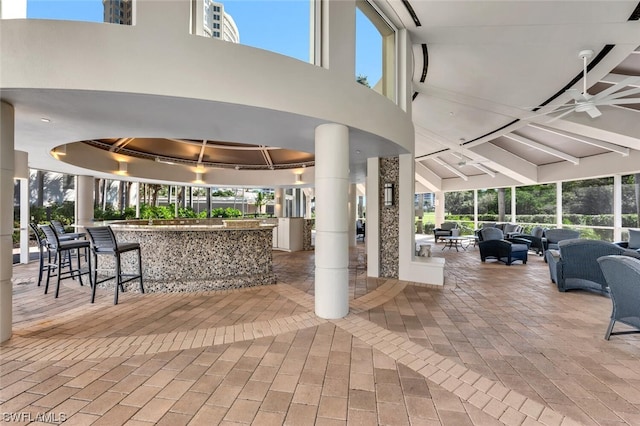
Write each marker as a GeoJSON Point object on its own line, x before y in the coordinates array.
{"type": "Point", "coordinates": [357, 151]}
{"type": "Point", "coordinates": [45, 120]}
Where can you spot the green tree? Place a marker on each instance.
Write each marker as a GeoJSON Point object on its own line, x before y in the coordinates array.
{"type": "Point", "coordinates": [362, 79]}
{"type": "Point", "coordinates": [260, 201]}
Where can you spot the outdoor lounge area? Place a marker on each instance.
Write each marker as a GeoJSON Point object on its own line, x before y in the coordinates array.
{"type": "Point", "coordinates": [379, 136]}
{"type": "Point", "coordinates": [495, 345]}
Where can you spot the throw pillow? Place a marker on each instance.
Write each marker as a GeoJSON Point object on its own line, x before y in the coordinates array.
{"type": "Point", "coordinates": [634, 238]}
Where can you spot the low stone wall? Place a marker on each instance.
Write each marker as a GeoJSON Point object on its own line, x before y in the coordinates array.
{"type": "Point", "coordinates": [178, 260]}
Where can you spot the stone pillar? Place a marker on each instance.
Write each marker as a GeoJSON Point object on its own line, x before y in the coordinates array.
{"type": "Point", "coordinates": [84, 201]}
{"type": "Point", "coordinates": [332, 230]}
{"type": "Point", "coordinates": [21, 172]}
{"type": "Point", "coordinates": [278, 210]}
{"type": "Point", "coordinates": [390, 217]}
{"type": "Point", "coordinates": [353, 210]}
{"type": "Point", "coordinates": [6, 218]}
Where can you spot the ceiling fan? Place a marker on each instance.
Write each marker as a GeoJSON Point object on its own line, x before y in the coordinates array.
{"type": "Point", "coordinates": [464, 160]}
{"type": "Point", "coordinates": [585, 102]}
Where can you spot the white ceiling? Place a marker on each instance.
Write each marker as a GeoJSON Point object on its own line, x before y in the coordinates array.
{"type": "Point", "coordinates": [491, 63]}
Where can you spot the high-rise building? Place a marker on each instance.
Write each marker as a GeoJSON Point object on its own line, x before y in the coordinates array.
{"type": "Point", "coordinates": [118, 11]}
{"type": "Point", "coordinates": [215, 22]}
{"type": "Point", "coordinates": [209, 18]}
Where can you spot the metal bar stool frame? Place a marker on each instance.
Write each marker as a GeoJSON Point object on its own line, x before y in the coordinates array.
{"type": "Point", "coordinates": [42, 246]}
{"type": "Point", "coordinates": [103, 242]}
{"type": "Point", "coordinates": [58, 250]}
{"type": "Point", "coordinates": [63, 234]}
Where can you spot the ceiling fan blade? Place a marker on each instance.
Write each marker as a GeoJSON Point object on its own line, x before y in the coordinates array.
{"type": "Point", "coordinates": [593, 112]}
{"type": "Point", "coordinates": [625, 101]}
{"type": "Point", "coordinates": [622, 94]}
{"type": "Point", "coordinates": [559, 109]}
{"type": "Point", "coordinates": [557, 117]}
{"type": "Point", "coordinates": [577, 95]}
{"type": "Point", "coordinates": [614, 88]}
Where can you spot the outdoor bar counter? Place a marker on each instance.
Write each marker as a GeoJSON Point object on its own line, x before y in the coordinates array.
{"type": "Point", "coordinates": [188, 255]}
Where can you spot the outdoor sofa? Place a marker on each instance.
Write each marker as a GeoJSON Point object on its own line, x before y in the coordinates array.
{"type": "Point", "coordinates": [575, 264]}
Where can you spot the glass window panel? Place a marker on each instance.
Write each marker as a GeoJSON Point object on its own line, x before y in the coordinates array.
{"type": "Point", "coordinates": [278, 26]}
{"type": "Point", "coordinates": [375, 51]}
{"type": "Point", "coordinates": [459, 208]}
{"type": "Point", "coordinates": [494, 206]}
{"type": "Point", "coordinates": [631, 201]}
{"type": "Point", "coordinates": [536, 205]}
{"type": "Point", "coordinates": [588, 205]}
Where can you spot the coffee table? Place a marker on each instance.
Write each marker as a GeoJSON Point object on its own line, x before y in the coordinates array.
{"type": "Point", "coordinates": [458, 241]}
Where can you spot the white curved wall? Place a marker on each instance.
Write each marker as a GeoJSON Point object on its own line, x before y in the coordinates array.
{"type": "Point", "coordinates": [141, 59]}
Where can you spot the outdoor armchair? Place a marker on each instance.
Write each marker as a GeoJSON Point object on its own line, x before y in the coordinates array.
{"type": "Point", "coordinates": [634, 240]}
{"type": "Point", "coordinates": [493, 245]}
{"type": "Point", "coordinates": [574, 265]}
{"type": "Point", "coordinates": [445, 230]}
{"type": "Point", "coordinates": [536, 238]}
{"type": "Point", "coordinates": [555, 235]}
{"type": "Point", "coordinates": [623, 277]}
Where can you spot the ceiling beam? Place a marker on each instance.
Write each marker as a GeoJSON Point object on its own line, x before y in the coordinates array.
{"type": "Point", "coordinates": [119, 144]}
{"type": "Point", "coordinates": [428, 178]}
{"type": "Point", "coordinates": [450, 168]}
{"type": "Point", "coordinates": [600, 144]}
{"type": "Point", "coordinates": [483, 169]}
{"type": "Point", "coordinates": [266, 156]}
{"type": "Point", "coordinates": [204, 145]}
{"type": "Point", "coordinates": [616, 125]}
{"type": "Point", "coordinates": [595, 166]}
{"type": "Point", "coordinates": [544, 148]}
{"type": "Point", "coordinates": [508, 164]}
{"type": "Point", "coordinates": [612, 78]}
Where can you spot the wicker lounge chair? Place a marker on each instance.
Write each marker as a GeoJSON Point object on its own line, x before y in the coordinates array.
{"type": "Point", "coordinates": [623, 276]}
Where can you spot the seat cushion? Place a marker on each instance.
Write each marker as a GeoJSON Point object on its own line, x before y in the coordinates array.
{"type": "Point", "coordinates": [519, 247]}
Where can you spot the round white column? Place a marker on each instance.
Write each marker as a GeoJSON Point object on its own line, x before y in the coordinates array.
{"type": "Point", "coordinates": [439, 208]}
{"type": "Point", "coordinates": [21, 172]}
{"type": "Point", "coordinates": [332, 217]}
{"type": "Point", "coordinates": [84, 200]}
{"type": "Point", "coordinates": [6, 219]}
{"type": "Point", "coordinates": [353, 210]}
{"type": "Point", "coordinates": [278, 210]}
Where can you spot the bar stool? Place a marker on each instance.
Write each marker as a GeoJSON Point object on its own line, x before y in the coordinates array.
{"type": "Point", "coordinates": [103, 242]}
{"type": "Point", "coordinates": [63, 235]}
{"type": "Point", "coordinates": [42, 246]}
{"type": "Point", "coordinates": [60, 251]}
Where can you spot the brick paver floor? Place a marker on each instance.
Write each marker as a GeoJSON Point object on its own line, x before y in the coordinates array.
{"type": "Point", "coordinates": [496, 345]}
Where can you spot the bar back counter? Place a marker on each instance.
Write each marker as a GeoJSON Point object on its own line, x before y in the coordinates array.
{"type": "Point", "coordinates": [187, 255]}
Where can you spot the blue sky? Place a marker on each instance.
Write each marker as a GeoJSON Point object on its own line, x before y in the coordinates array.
{"type": "Point", "coordinates": [286, 30]}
